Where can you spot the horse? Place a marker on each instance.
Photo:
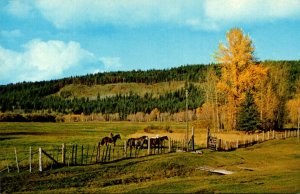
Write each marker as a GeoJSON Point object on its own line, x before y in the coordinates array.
{"type": "Point", "coordinates": [137, 142]}
{"type": "Point", "coordinates": [157, 141]}
{"type": "Point", "coordinates": [161, 139]}
{"type": "Point", "coordinates": [131, 142]}
{"type": "Point", "coordinates": [112, 139]}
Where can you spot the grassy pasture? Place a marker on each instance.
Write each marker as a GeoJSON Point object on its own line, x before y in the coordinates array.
{"type": "Point", "coordinates": [272, 166]}
{"type": "Point", "coordinates": [51, 135]}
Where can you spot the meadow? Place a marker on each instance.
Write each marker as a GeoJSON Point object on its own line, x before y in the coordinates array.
{"type": "Point", "coordinates": [272, 166]}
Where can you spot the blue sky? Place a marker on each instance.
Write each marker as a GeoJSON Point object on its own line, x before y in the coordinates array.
{"type": "Point", "coordinates": [50, 39]}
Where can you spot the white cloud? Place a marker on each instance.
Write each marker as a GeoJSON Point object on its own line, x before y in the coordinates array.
{"type": "Point", "coordinates": [251, 10]}
{"type": "Point", "coordinates": [19, 8]}
{"type": "Point", "coordinates": [118, 12]}
{"type": "Point", "coordinates": [42, 60]}
{"type": "Point", "coordinates": [11, 33]}
{"type": "Point", "coordinates": [111, 63]}
{"type": "Point", "coordinates": [206, 14]}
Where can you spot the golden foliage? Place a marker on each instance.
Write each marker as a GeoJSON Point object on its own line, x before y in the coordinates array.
{"type": "Point", "coordinates": [240, 72]}
{"type": "Point", "coordinates": [293, 106]}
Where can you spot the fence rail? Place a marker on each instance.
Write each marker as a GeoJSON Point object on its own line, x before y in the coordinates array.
{"type": "Point", "coordinates": [50, 156]}
{"type": "Point", "coordinates": [39, 158]}
{"type": "Point", "coordinates": [217, 144]}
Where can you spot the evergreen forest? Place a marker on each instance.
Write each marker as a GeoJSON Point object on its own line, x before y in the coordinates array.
{"type": "Point", "coordinates": [41, 99]}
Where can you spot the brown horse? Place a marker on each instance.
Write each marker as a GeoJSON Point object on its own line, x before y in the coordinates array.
{"type": "Point", "coordinates": [137, 142]}
{"type": "Point", "coordinates": [112, 139]}
{"type": "Point", "coordinates": [158, 141]}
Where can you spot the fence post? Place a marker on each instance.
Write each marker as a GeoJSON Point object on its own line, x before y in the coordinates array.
{"type": "Point", "coordinates": [92, 155]}
{"type": "Point", "coordinates": [149, 146]}
{"type": "Point", "coordinates": [207, 137]}
{"type": "Point", "coordinates": [257, 138]}
{"type": "Point", "coordinates": [273, 134]}
{"type": "Point", "coordinates": [63, 153]}
{"type": "Point", "coordinates": [30, 169]}
{"type": "Point", "coordinates": [87, 154]}
{"type": "Point", "coordinates": [285, 134]}
{"type": "Point", "coordinates": [73, 147]}
{"type": "Point", "coordinates": [75, 154]}
{"type": "Point", "coordinates": [268, 138]}
{"type": "Point", "coordinates": [98, 153]}
{"type": "Point", "coordinates": [125, 149]}
{"type": "Point", "coordinates": [169, 144]}
{"type": "Point", "coordinates": [40, 160]}
{"type": "Point", "coordinates": [237, 143]}
{"type": "Point", "coordinates": [263, 138]}
{"type": "Point", "coordinates": [193, 139]}
{"type": "Point", "coordinates": [17, 163]}
{"type": "Point", "coordinates": [220, 144]}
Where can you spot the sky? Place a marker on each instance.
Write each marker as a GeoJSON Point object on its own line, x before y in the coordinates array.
{"type": "Point", "coordinates": [52, 39]}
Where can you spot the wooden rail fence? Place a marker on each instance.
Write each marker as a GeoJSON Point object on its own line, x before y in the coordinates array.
{"type": "Point", "coordinates": [217, 144]}
{"type": "Point", "coordinates": [50, 156]}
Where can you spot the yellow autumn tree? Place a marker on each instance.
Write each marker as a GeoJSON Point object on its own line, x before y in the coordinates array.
{"type": "Point", "coordinates": [293, 106]}
{"type": "Point", "coordinates": [212, 98]}
{"type": "Point", "coordinates": [240, 71]}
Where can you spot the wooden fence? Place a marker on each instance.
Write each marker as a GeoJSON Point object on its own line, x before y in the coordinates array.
{"type": "Point", "coordinates": [217, 144]}
{"type": "Point", "coordinates": [51, 156]}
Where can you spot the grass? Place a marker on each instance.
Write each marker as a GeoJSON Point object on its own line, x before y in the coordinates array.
{"type": "Point", "coordinates": [274, 164]}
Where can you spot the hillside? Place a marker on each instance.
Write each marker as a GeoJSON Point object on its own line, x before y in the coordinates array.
{"type": "Point", "coordinates": [109, 90]}
{"type": "Point", "coordinates": [126, 93]}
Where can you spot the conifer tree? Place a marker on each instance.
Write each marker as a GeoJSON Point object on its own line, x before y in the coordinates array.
{"type": "Point", "coordinates": [248, 119]}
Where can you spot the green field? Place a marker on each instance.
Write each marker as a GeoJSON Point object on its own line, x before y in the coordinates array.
{"type": "Point", "coordinates": [272, 166]}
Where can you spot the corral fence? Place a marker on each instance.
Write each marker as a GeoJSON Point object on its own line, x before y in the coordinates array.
{"type": "Point", "coordinates": [47, 157]}
{"type": "Point", "coordinates": [217, 144]}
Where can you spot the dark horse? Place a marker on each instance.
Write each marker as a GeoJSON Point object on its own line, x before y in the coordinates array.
{"type": "Point", "coordinates": [137, 142]}
{"type": "Point", "coordinates": [112, 139]}
{"type": "Point", "coordinates": [158, 141]}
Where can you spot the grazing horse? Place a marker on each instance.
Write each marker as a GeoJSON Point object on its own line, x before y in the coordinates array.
{"type": "Point", "coordinates": [137, 142]}
{"type": "Point", "coordinates": [131, 142]}
{"type": "Point", "coordinates": [157, 141]}
{"type": "Point", "coordinates": [112, 139]}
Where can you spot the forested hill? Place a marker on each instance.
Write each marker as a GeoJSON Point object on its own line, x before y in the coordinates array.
{"type": "Point", "coordinates": [52, 96]}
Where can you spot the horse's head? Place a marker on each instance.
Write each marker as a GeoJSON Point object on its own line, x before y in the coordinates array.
{"type": "Point", "coordinates": [165, 138]}
{"type": "Point", "coordinates": [118, 136]}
